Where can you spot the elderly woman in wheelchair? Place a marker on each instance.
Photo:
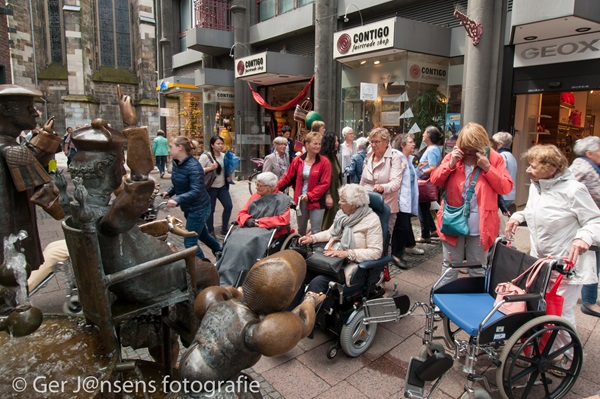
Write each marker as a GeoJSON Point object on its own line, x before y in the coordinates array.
{"type": "Point", "coordinates": [262, 228]}
{"type": "Point", "coordinates": [521, 345]}
{"type": "Point", "coordinates": [348, 269]}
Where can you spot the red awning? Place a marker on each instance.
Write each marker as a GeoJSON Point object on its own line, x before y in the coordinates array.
{"type": "Point", "coordinates": [289, 105]}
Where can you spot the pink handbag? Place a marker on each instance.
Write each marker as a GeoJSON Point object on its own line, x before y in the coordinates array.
{"type": "Point", "coordinates": [510, 288]}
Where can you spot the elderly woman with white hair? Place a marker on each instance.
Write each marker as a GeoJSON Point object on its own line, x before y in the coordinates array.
{"type": "Point", "coordinates": [504, 141]}
{"type": "Point", "coordinates": [347, 149]}
{"type": "Point", "coordinates": [265, 210]}
{"type": "Point", "coordinates": [586, 169]}
{"type": "Point", "coordinates": [279, 160]}
{"type": "Point", "coordinates": [355, 235]}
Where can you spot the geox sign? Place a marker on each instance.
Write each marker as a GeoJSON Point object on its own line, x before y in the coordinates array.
{"type": "Point", "coordinates": [564, 49]}
{"type": "Point", "coordinates": [364, 39]}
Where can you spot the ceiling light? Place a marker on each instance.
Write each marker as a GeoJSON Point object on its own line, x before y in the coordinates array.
{"type": "Point", "coordinates": [530, 37]}
{"type": "Point", "coordinates": [363, 62]}
{"type": "Point", "coordinates": [376, 62]}
{"type": "Point", "coordinates": [581, 30]}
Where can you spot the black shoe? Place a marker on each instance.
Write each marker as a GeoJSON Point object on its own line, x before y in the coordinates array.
{"type": "Point", "coordinates": [401, 263]}
{"type": "Point", "coordinates": [588, 311]}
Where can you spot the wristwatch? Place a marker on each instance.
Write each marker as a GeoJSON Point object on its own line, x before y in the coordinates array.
{"type": "Point", "coordinates": [349, 256]}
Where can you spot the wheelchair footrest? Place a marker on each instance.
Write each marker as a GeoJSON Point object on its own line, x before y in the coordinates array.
{"type": "Point", "coordinates": [415, 387]}
{"type": "Point", "coordinates": [381, 310]}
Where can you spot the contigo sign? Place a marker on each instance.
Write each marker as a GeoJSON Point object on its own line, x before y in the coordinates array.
{"type": "Point", "coordinates": [364, 39]}
{"type": "Point", "coordinates": [564, 49]}
{"type": "Point", "coordinates": [224, 96]}
{"type": "Point", "coordinates": [251, 65]}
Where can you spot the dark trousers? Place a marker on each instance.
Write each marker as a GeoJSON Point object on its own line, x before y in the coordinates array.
{"type": "Point", "coordinates": [402, 236]}
{"type": "Point", "coordinates": [222, 194]}
{"type": "Point", "coordinates": [427, 223]}
{"type": "Point", "coordinates": [161, 160]}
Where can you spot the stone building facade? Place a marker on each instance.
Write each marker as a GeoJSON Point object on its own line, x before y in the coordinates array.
{"type": "Point", "coordinates": [79, 51]}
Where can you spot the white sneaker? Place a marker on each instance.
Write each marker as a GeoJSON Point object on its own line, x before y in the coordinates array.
{"type": "Point", "coordinates": [414, 251]}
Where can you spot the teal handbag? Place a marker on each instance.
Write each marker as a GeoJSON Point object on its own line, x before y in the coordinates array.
{"type": "Point", "coordinates": [455, 218]}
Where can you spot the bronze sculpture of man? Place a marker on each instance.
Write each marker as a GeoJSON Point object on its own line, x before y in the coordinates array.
{"type": "Point", "coordinates": [23, 180]}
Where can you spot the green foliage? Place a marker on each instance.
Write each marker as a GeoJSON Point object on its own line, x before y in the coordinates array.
{"type": "Point", "coordinates": [54, 72]}
{"type": "Point", "coordinates": [429, 108]}
{"type": "Point", "coordinates": [115, 75]}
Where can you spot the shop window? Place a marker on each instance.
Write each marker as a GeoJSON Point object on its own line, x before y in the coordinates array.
{"type": "Point", "coordinates": [55, 30]}
{"type": "Point", "coordinates": [114, 32]}
{"type": "Point", "coordinates": [268, 9]}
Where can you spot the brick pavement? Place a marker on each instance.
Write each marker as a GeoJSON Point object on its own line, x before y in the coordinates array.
{"type": "Point", "coordinates": [305, 371]}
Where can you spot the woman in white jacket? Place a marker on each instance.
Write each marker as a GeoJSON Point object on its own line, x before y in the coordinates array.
{"type": "Point", "coordinates": [563, 221]}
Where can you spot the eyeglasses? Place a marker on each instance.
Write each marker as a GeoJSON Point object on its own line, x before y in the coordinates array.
{"type": "Point", "coordinates": [259, 185]}
{"type": "Point", "coordinates": [377, 141]}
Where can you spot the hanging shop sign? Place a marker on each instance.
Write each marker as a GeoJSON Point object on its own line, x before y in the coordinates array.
{"type": "Point", "coordinates": [364, 39]}
{"type": "Point", "coordinates": [251, 65]}
{"type": "Point", "coordinates": [224, 96]}
{"type": "Point", "coordinates": [564, 49]}
{"type": "Point", "coordinates": [424, 72]}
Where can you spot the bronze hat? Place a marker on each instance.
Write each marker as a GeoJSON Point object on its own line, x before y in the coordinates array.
{"type": "Point", "coordinates": [98, 137]}
{"type": "Point", "coordinates": [15, 90]}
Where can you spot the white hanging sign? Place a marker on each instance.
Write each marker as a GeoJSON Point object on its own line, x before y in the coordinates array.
{"type": "Point", "coordinates": [368, 91]}
{"type": "Point", "coordinates": [414, 129]}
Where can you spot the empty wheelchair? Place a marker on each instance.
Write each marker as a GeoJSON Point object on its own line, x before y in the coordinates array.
{"type": "Point", "coordinates": [351, 312]}
{"type": "Point", "coordinates": [522, 346]}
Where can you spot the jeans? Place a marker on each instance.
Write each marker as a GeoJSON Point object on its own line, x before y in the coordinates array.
{"type": "Point", "coordinates": [467, 248]}
{"type": "Point", "coordinates": [402, 236]}
{"type": "Point", "coordinates": [196, 221]}
{"type": "Point", "coordinates": [315, 216]}
{"type": "Point", "coordinates": [589, 292]}
{"type": "Point", "coordinates": [222, 194]}
{"type": "Point", "coordinates": [161, 160]}
{"type": "Point", "coordinates": [427, 223]}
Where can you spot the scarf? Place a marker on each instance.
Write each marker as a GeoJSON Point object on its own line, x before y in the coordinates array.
{"type": "Point", "coordinates": [596, 167]}
{"type": "Point", "coordinates": [343, 224]}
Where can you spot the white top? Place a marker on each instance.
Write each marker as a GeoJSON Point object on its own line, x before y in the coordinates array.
{"type": "Point", "coordinates": [206, 161]}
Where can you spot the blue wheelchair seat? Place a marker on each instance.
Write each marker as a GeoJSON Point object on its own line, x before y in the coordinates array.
{"type": "Point", "coordinates": [467, 311]}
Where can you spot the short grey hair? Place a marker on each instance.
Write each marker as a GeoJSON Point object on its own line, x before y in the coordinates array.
{"type": "Point", "coordinates": [280, 140]}
{"type": "Point", "coordinates": [361, 143]}
{"type": "Point", "coordinates": [267, 178]}
{"type": "Point", "coordinates": [347, 130]}
{"type": "Point", "coordinates": [504, 139]}
{"type": "Point", "coordinates": [401, 140]}
{"type": "Point", "coordinates": [590, 143]}
{"type": "Point", "coordinates": [355, 194]}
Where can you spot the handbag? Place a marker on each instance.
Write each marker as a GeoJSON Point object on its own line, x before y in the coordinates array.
{"type": "Point", "coordinates": [510, 288]}
{"type": "Point", "coordinates": [327, 265]}
{"type": "Point", "coordinates": [455, 218]}
{"type": "Point", "coordinates": [428, 192]}
{"type": "Point", "coordinates": [209, 177]}
{"type": "Point", "coordinates": [302, 110]}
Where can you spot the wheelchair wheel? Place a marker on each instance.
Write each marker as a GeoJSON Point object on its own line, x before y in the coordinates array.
{"type": "Point", "coordinates": [528, 358]}
{"type": "Point", "coordinates": [356, 338]}
{"type": "Point", "coordinates": [292, 239]}
{"type": "Point", "coordinates": [478, 393]}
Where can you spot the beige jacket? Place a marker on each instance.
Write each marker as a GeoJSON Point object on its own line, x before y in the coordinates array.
{"type": "Point", "coordinates": [388, 173]}
{"type": "Point", "coordinates": [368, 238]}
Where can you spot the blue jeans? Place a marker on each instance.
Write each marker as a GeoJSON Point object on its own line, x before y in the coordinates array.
{"type": "Point", "coordinates": [589, 292]}
{"type": "Point", "coordinates": [196, 221]}
{"type": "Point", "coordinates": [222, 194]}
{"type": "Point", "coordinates": [161, 160]}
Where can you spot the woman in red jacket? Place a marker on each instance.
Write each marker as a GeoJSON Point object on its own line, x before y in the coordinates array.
{"type": "Point", "coordinates": [310, 174]}
{"type": "Point", "coordinates": [472, 154]}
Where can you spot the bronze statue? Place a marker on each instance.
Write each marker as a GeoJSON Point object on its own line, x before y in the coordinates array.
{"type": "Point", "coordinates": [102, 233]}
{"type": "Point", "coordinates": [23, 180]}
{"type": "Point", "coordinates": [238, 327]}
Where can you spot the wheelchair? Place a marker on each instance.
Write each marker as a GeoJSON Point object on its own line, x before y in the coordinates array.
{"type": "Point", "coordinates": [519, 345]}
{"type": "Point", "coordinates": [275, 240]}
{"type": "Point", "coordinates": [352, 312]}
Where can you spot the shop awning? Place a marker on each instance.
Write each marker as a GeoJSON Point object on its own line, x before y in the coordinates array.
{"type": "Point", "coordinates": [271, 68]}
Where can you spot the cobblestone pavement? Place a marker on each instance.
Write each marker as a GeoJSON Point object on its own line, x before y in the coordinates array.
{"type": "Point", "coordinates": [305, 372]}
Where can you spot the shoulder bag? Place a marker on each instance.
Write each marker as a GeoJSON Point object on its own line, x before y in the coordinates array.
{"type": "Point", "coordinates": [510, 288]}
{"type": "Point", "coordinates": [455, 218]}
{"type": "Point", "coordinates": [327, 265]}
{"type": "Point", "coordinates": [209, 177]}
{"type": "Point", "coordinates": [428, 192]}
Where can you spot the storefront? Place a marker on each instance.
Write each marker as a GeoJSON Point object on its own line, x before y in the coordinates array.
{"type": "Point", "coordinates": [556, 95]}
{"type": "Point", "coordinates": [281, 81]}
{"type": "Point", "coordinates": [390, 81]}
